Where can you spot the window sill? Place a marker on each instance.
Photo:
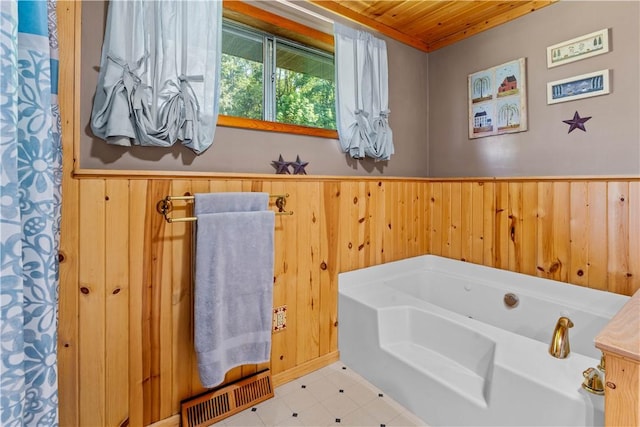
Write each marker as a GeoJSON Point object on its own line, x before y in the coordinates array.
{"type": "Point", "coordinates": [241, 122]}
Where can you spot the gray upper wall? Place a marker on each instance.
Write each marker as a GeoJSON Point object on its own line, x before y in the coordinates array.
{"type": "Point", "coordinates": [250, 151]}
{"type": "Point", "coordinates": [611, 144]}
{"type": "Point", "coordinates": [429, 109]}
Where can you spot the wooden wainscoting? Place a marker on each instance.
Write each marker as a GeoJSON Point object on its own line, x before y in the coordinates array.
{"type": "Point", "coordinates": [133, 291]}
{"type": "Point", "coordinates": [127, 319]}
{"type": "Point", "coordinates": [585, 232]}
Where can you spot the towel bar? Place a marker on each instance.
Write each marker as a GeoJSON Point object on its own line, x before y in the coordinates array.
{"type": "Point", "coordinates": [165, 206]}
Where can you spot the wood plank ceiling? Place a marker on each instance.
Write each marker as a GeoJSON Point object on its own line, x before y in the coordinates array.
{"type": "Point", "coordinates": [431, 24]}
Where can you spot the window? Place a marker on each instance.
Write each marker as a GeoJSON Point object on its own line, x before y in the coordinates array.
{"type": "Point", "coordinates": [270, 78]}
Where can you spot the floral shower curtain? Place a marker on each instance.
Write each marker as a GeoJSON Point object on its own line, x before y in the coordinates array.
{"type": "Point", "coordinates": [30, 184]}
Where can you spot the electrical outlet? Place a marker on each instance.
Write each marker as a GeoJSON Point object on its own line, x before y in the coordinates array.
{"type": "Point", "coordinates": [279, 318]}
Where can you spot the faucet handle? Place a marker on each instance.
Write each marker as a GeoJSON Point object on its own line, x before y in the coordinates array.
{"type": "Point", "coordinates": [593, 381]}
{"type": "Point", "coordinates": [601, 365]}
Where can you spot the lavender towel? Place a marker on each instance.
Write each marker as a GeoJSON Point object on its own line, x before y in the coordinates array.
{"type": "Point", "coordinates": [233, 288]}
{"type": "Point", "coordinates": [209, 203]}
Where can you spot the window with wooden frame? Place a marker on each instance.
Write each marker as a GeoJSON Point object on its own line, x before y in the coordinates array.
{"type": "Point", "coordinates": [276, 74]}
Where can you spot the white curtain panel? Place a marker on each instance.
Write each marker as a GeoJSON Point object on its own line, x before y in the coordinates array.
{"type": "Point", "coordinates": [362, 94]}
{"type": "Point", "coordinates": [159, 73]}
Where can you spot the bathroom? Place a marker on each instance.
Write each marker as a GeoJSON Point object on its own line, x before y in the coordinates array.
{"type": "Point", "coordinates": [545, 202]}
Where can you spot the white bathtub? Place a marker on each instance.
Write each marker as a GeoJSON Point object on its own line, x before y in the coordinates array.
{"type": "Point", "coordinates": [435, 335]}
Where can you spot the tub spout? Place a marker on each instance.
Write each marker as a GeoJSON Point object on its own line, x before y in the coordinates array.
{"type": "Point", "coordinates": [559, 346]}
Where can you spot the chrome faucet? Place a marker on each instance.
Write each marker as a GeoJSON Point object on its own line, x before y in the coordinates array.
{"type": "Point", "coordinates": [559, 346]}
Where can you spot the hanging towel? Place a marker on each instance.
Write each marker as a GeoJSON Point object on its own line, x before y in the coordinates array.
{"type": "Point", "coordinates": [233, 286]}
{"type": "Point", "coordinates": [207, 203]}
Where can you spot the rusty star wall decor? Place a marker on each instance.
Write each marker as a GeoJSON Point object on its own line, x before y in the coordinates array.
{"type": "Point", "coordinates": [298, 166]}
{"type": "Point", "coordinates": [281, 166]}
{"type": "Point", "coordinates": [577, 122]}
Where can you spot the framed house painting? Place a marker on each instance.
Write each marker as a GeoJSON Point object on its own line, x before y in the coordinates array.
{"type": "Point", "coordinates": [497, 100]}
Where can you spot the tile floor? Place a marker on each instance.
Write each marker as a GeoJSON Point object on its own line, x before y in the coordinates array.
{"type": "Point", "coordinates": [331, 396]}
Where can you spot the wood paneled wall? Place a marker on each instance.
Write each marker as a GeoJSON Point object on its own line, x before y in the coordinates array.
{"type": "Point", "coordinates": [125, 320]}
{"type": "Point", "coordinates": [585, 232]}
{"type": "Point", "coordinates": [134, 282]}
{"type": "Point", "coordinates": [130, 331]}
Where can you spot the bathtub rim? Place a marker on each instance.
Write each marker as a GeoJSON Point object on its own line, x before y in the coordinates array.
{"type": "Point", "coordinates": [604, 303]}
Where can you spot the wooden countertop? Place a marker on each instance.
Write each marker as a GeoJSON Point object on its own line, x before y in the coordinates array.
{"type": "Point", "coordinates": [621, 336]}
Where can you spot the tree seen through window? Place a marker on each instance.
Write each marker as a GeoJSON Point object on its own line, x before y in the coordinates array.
{"type": "Point", "coordinates": [267, 78]}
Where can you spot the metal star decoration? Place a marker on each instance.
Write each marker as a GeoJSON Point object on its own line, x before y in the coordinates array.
{"type": "Point", "coordinates": [298, 166]}
{"type": "Point", "coordinates": [577, 122]}
{"type": "Point", "coordinates": [281, 166]}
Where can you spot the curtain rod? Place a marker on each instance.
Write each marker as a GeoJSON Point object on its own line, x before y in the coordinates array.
{"type": "Point", "coordinates": [305, 11]}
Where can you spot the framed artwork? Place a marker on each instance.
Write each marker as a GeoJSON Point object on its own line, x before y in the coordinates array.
{"type": "Point", "coordinates": [578, 87]}
{"type": "Point", "coordinates": [497, 100]}
{"type": "Point", "coordinates": [582, 47]}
